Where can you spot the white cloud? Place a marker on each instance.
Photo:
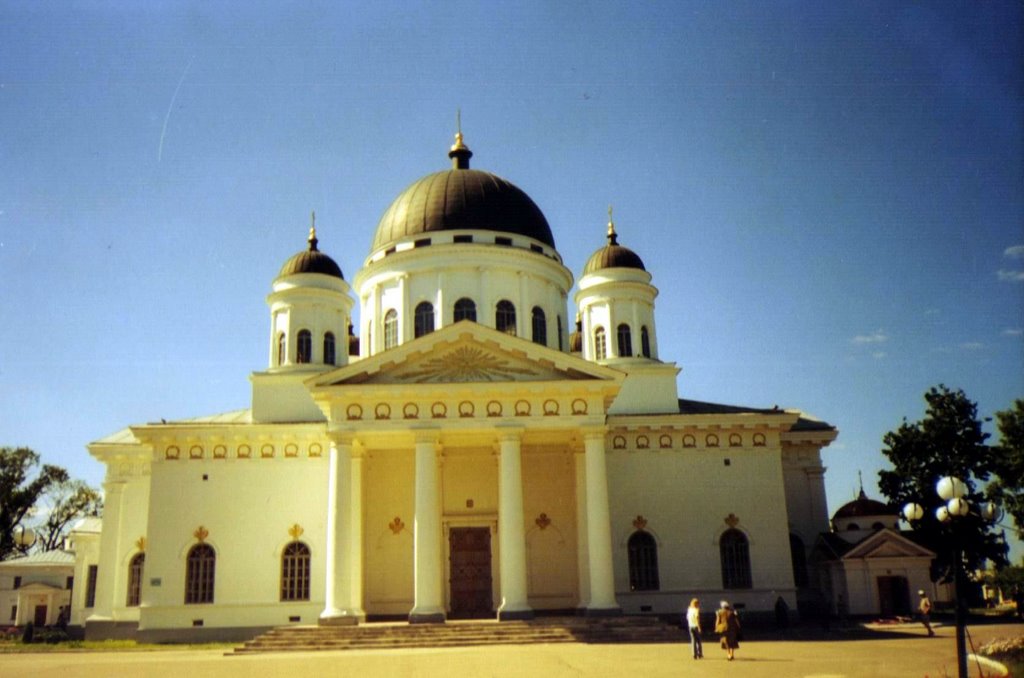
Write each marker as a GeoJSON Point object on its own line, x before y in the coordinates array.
{"type": "Point", "coordinates": [1010, 276]}
{"type": "Point", "coordinates": [1013, 332]}
{"type": "Point", "coordinates": [1015, 252]}
{"type": "Point", "coordinates": [878, 355]}
{"type": "Point", "coordinates": [972, 346]}
{"type": "Point", "coordinates": [876, 337]}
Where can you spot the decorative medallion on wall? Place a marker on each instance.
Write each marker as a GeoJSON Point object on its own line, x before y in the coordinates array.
{"type": "Point", "coordinates": [220, 452]}
{"type": "Point", "coordinates": [354, 412]}
{"type": "Point", "coordinates": [579, 406]}
{"type": "Point", "coordinates": [244, 451]}
{"type": "Point", "coordinates": [642, 442]}
{"type": "Point", "coordinates": [195, 452]}
{"type": "Point", "coordinates": [640, 522]}
{"type": "Point", "coordinates": [735, 440]}
{"type": "Point", "coordinates": [618, 443]}
{"type": "Point", "coordinates": [711, 440]}
{"type": "Point", "coordinates": [411, 411]}
{"type": "Point", "coordinates": [494, 409]}
{"type": "Point", "coordinates": [759, 440]}
{"type": "Point", "coordinates": [543, 521]}
{"type": "Point", "coordinates": [172, 452]}
{"type": "Point", "coordinates": [295, 531]}
{"type": "Point", "coordinates": [665, 442]}
{"type": "Point", "coordinates": [522, 408]}
{"type": "Point", "coordinates": [291, 450]}
{"type": "Point", "coordinates": [466, 363]}
{"type": "Point", "coordinates": [466, 409]}
{"type": "Point", "coordinates": [382, 411]}
{"type": "Point", "coordinates": [439, 410]}
{"type": "Point", "coordinates": [316, 450]}
{"type": "Point", "coordinates": [396, 525]}
{"type": "Point", "coordinates": [267, 451]}
{"type": "Point", "coordinates": [550, 408]}
{"type": "Point", "coordinates": [689, 441]}
{"type": "Point", "coordinates": [201, 534]}
{"type": "Point", "coordinates": [731, 520]}
{"type": "Point", "coordinates": [140, 543]}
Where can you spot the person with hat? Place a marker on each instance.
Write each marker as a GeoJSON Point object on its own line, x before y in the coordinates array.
{"type": "Point", "coordinates": [925, 609]}
{"type": "Point", "coordinates": [728, 624]}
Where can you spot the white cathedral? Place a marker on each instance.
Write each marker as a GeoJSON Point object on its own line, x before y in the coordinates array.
{"type": "Point", "coordinates": [471, 454]}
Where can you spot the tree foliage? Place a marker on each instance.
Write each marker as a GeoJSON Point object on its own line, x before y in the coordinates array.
{"type": "Point", "coordinates": [1008, 487]}
{"type": "Point", "coordinates": [18, 494]}
{"type": "Point", "coordinates": [949, 441]}
{"type": "Point", "coordinates": [63, 503]}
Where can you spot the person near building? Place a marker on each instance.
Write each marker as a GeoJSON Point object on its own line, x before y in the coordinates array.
{"type": "Point", "coordinates": [728, 625]}
{"type": "Point", "coordinates": [693, 624]}
{"type": "Point", "coordinates": [925, 609]}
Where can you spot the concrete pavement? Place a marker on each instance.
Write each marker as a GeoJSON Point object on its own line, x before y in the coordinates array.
{"type": "Point", "coordinates": [898, 652]}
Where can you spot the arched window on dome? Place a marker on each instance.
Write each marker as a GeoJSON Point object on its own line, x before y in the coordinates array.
{"type": "Point", "coordinates": [281, 355]}
{"type": "Point", "coordinates": [505, 317]}
{"type": "Point", "coordinates": [390, 329]}
{"type": "Point", "coordinates": [734, 550]}
{"type": "Point", "coordinates": [600, 344]}
{"type": "Point", "coordinates": [645, 342]}
{"type": "Point", "coordinates": [329, 348]}
{"type": "Point", "coordinates": [625, 341]}
{"type": "Point", "coordinates": [200, 568]}
{"type": "Point", "coordinates": [465, 309]}
{"type": "Point", "coordinates": [135, 579]}
{"type": "Point", "coordinates": [295, 571]}
{"type": "Point", "coordinates": [303, 347]}
{"type": "Point", "coordinates": [643, 562]}
{"type": "Point", "coordinates": [540, 326]}
{"type": "Point", "coordinates": [423, 320]}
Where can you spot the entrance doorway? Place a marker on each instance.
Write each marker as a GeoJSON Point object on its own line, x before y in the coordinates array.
{"type": "Point", "coordinates": [40, 616]}
{"type": "Point", "coordinates": [470, 567]}
{"type": "Point", "coordinates": [893, 596]}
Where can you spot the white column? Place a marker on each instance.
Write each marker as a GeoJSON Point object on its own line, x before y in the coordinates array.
{"type": "Point", "coordinates": [355, 541]}
{"type": "Point", "coordinates": [599, 533]}
{"type": "Point", "coordinates": [428, 606]}
{"type": "Point", "coordinates": [110, 546]}
{"type": "Point", "coordinates": [511, 534]}
{"type": "Point", "coordinates": [582, 545]}
{"type": "Point", "coordinates": [338, 604]}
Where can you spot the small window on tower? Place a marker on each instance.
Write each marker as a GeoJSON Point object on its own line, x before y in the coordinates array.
{"type": "Point", "coordinates": [304, 347]}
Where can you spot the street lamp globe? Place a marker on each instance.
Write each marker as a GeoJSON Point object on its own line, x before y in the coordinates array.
{"type": "Point", "coordinates": [950, 488]}
{"type": "Point", "coordinates": [942, 514]}
{"type": "Point", "coordinates": [958, 506]}
{"type": "Point", "coordinates": [913, 512]}
{"type": "Point", "coordinates": [24, 537]}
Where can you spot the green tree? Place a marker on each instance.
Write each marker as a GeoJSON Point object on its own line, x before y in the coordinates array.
{"type": "Point", "coordinates": [18, 494]}
{"type": "Point", "coordinates": [1008, 487]}
{"type": "Point", "coordinates": [64, 502]}
{"type": "Point", "coordinates": [949, 441]}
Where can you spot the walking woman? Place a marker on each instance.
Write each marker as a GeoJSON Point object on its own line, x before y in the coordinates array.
{"type": "Point", "coordinates": [728, 625]}
{"type": "Point", "coordinates": [693, 623]}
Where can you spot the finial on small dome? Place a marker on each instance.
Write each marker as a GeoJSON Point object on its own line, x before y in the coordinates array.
{"type": "Point", "coordinates": [459, 152]}
{"type": "Point", "coordinates": [613, 238]}
{"type": "Point", "coordinates": [312, 232]}
{"type": "Point", "coordinates": [860, 478]}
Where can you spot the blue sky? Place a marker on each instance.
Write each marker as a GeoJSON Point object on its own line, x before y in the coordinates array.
{"type": "Point", "coordinates": [829, 196]}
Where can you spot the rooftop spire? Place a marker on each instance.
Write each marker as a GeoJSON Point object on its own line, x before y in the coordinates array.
{"type": "Point", "coordinates": [459, 152]}
{"type": "Point", "coordinates": [312, 232]}
{"type": "Point", "coordinates": [613, 237]}
{"type": "Point", "coordinates": [860, 479]}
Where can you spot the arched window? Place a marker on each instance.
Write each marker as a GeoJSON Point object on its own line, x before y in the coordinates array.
{"type": "Point", "coordinates": [295, 572]}
{"type": "Point", "coordinates": [423, 322]}
{"type": "Point", "coordinates": [135, 579]}
{"type": "Point", "coordinates": [735, 553]}
{"type": "Point", "coordinates": [304, 347]}
{"type": "Point", "coordinates": [799, 557]}
{"type": "Point", "coordinates": [625, 341]}
{"type": "Point", "coordinates": [600, 344]}
{"type": "Point", "coordinates": [505, 317]}
{"type": "Point", "coordinates": [199, 574]}
{"type": "Point", "coordinates": [540, 326]}
{"type": "Point", "coordinates": [643, 562]}
{"type": "Point", "coordinates": [645, 342]}
{"type": "Point", "coordinates": [391, 329]}
{"type": "Point", "coordinates": [560, 348]}
{"type": "Point", "coordinates": [329, 348]}
{"type": "Point", "coordinates": [465, 309]}
{"type": "Point", "coordinates": [280, 348]}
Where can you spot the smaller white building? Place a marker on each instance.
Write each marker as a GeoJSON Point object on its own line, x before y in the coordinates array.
{"type": "Point", "coordinates": [36, 588]}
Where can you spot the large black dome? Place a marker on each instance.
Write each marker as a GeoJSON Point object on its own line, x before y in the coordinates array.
{"type": "Point", "coordinates": [462, 199]}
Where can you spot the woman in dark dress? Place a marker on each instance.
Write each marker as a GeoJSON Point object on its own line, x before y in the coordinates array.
{"type": "Point", "coordinates": [728, 625]}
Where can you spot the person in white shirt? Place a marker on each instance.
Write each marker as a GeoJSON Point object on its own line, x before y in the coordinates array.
{"type": "Point", "coordinates": [693, 623]}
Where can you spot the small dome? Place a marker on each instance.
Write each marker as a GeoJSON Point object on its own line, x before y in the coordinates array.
{"type": "Point", "coordinates": [461, 199]}
{"type": "Point", "coordinates": [863, 507]}
{"type": "Point", "coordinates": [311, 260]}
{"type": "Point", "coordinates": [613, 255]}
{"type": "Point", "coordinates": [576, 338]}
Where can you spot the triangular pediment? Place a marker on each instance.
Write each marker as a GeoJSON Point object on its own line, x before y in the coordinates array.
{"type": "Point", "coordinates": [466, 353]}
{"type": "Point", "coordinates": [887, 544]}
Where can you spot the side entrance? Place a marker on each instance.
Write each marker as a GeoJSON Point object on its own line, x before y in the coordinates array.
{"type": "Point", "coordinates": [469, 553]}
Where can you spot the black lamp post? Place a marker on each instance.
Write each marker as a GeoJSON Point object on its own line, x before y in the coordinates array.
{"type": "Point", "coordinates": [952, 490]}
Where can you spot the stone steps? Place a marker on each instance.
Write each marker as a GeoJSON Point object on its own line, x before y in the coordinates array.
{"type": "Point", "coordinates": [464, 634]}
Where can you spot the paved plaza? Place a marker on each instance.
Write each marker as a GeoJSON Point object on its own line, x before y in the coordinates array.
{"type": "Point", "coordinates": [902, 652]}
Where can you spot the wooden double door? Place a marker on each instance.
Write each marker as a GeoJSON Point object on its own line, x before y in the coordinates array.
{"type": "Point", "coordinates": [469, 557]}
